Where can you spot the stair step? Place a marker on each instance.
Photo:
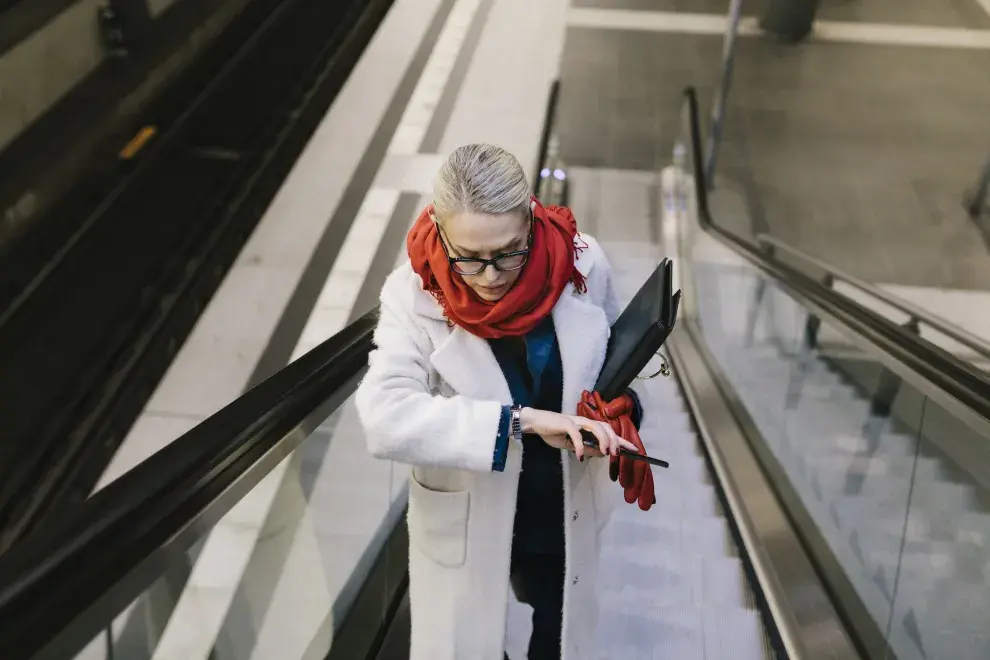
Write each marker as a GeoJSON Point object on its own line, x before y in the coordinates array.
{"type": "Point", "coordinates": [925, 571]}
{"type": "Point", "coordinates": [709, 537]}
{"type": "Point", "coordinates": [854, 443]}
{"type": "Point", "coordinates": [660, 439]}
{"type": "Point", "coordinates": [666, 428]}
{"type": "Point", "coordinates": [663, 581]}
{"type": "Point", "coordinates": [684, 467]}
{"type": "Point", "coordinates": [690, 632]}
{"type": "Point", "coordinates": [879, 516]}
{"type": "Point", "coordinates": [881, 494]}
{"type": "Point", "coordinates": [874, 472]}
{"type": "Point", "coordinates": [949, 643]}
{"type": "Point", "coordinates": [664, 573]}
{"type": "Point", "coordinates": [674, 500]}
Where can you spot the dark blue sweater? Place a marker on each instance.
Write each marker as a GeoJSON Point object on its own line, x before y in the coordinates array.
{"type": "Point", "coordinates": [533, 370]}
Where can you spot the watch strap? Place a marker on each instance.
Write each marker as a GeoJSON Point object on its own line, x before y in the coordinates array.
{"type": "Point", "coordinates": [515, 424]}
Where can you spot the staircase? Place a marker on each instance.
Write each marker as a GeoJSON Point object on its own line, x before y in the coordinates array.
{"type": "Point", "coordinates": [860, 476]}
{"type": "Point", "coordinates": [671, 583]}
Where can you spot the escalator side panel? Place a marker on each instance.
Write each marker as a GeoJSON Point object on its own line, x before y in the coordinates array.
{"type": "Point", "coordinates": [897, 531]}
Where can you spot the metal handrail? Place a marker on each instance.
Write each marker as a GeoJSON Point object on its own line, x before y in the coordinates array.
{"type": "Point", "coordinates": [60, 586]}
{"type": "Point", "coordinates": [954, 382]}
{"type": "Point", "coordinates": [947, 328]}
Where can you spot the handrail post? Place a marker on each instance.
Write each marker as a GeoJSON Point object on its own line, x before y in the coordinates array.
{"type": "Point", "coordinates": [811, 327]}
{"type": "Point", "coordinates": [979, 198]}
{"type": "Point", "coordinates": [813, 324]}
{"type": "Point", "coordinates": [754, 311]}
{"type": "Point", "coordinates": [108, 636]}
{"type": "Point", "coordinates": [913, 324]}
{"type": "Point", "coordinates": [718, 108]}
{"type": "Point", "coordinates": [882, 401]}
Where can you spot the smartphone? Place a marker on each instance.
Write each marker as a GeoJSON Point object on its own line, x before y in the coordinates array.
{"type": "Point", "coordinates": [591, 441]}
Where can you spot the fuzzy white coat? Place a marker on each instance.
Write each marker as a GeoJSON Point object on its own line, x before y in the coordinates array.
{"type": "Point", "coordinates": [432, 397]}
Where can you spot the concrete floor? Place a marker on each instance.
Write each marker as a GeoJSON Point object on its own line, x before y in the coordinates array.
{"type": "Point", "coordinates": [854, 151]}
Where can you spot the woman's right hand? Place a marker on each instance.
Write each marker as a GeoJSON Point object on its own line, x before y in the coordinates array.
{"type": "Point", "coordinates": [564, 432]}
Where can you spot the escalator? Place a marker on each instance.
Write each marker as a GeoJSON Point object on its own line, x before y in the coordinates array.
{"type": "Point", "coordinates": [825, 496]}
{"type": "Point", "coordinates": [97, 297]}
{"type": "Point", "coordinates": [877, 441]}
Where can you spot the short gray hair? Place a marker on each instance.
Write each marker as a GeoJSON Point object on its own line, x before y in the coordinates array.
{"type": "Point", "coordinates": [481, 178]}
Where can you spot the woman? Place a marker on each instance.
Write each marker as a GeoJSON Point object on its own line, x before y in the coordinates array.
{"type": "Point", "coordinates": [496, 324]}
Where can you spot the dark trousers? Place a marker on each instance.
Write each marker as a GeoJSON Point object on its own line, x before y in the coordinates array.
{"type": "Point", "coordinates": [538, 581]}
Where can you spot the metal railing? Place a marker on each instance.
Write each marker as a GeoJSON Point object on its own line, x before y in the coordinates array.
{"type": "Point", "coordinates": [953, 386]}
{"type": "Point", "coordinates": [917, 316]}
{"type": "Point", "coordinates": [65, 584]}
{"type": "Point", "coordinates": [978, 200]}
{"type": "Point", "coordinates": [976, 205]}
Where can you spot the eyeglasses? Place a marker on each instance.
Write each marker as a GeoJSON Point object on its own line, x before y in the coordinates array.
{"type": "Point", "coordinates": [507, 261]}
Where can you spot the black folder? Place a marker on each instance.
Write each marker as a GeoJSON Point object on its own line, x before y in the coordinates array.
{"type": "Point", "coordinates": [636, 336]}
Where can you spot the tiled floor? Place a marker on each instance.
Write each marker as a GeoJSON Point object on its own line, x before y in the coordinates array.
{"type": "Point", "coordinates": [856, 152]}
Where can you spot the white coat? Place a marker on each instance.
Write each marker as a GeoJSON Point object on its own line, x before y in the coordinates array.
{"type": "Point", "coordinates": [432, 397]}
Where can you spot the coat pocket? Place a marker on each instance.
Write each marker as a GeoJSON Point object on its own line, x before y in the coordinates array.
{"type": "Point", "coordinates": [438, 523]}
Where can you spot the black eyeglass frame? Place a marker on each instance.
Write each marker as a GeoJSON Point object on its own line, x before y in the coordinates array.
{"type": "Point", "coordinates": [485, 263]}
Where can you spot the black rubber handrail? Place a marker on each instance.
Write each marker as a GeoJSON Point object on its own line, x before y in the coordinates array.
{"type": "Point", "coordinates": [916, 314]}
{"type": "Point", "coordinates": [59, 587]}
{"type": "Point", "coordinates": [958, 378]}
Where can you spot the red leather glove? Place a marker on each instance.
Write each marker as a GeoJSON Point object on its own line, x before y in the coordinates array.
{"type": "Point", "coordinates": [635, 477]}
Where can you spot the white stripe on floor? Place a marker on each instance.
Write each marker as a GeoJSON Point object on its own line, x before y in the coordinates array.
{"type": "Point", "coordinates": [879, 34]}
{"type": "Point", "coordinates": [341, 288]}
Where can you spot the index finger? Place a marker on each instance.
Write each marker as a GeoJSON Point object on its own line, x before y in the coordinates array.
{"type": "Point", "coordinates": [625, 444]}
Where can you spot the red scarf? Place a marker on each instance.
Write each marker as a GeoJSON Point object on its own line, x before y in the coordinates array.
{"type": "Point", "coordinates": [547, 272]}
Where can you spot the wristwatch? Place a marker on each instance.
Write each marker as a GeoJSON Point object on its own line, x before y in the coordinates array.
{"type": "Point", "coordinates": [515, 426]}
